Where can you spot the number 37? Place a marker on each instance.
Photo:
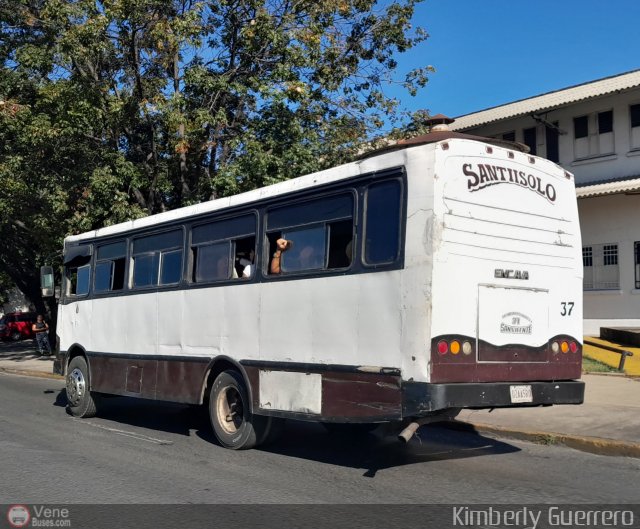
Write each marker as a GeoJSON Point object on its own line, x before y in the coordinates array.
{"type": "Point", "coordinates": [567, 307]}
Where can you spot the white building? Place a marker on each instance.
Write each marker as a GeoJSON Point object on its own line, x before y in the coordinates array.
{"type": "Point", "coordinates": [593, 131]}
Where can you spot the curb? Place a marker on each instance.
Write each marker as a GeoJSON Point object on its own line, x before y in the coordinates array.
{"type": "Point", "coordinates": [593, 445]}
{"type": "Point", "coordinates": [30, 373]}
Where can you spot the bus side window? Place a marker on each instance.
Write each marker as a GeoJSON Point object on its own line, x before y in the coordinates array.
{"type": "Point", "coordinates": [320, 230]}
{"type": "Point", "coordinates": [157, 259]}
{"type": "Point", "coordinates": [211, 262]}
{"type": "Point", "coordinates": [109, 271]}
{"type": "Point", "coordinates": [77, 270]}
{"type": "Point", "coordinates": [307, 250]}
{"type": "Point", "coordinates": [383, 209]}
{"type": "Point", "coordinates": [223, 249]}
{"type": "Point", "coordinates": [78, 280]}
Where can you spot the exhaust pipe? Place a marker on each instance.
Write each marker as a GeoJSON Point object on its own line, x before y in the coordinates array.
{"type": "Point", "coordinates": [406, 434]}
{"type": "Point", "coordinates": [410, 430]}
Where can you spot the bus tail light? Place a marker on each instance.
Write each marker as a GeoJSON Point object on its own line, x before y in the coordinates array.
{"type": "Point", "coordinates": [565, 346]}
{"type": "Point", "coordinates": [454, 347]}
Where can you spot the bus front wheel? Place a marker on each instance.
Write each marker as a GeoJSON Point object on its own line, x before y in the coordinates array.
{"type": "Point", "coordinates": [233, 423]}
{"type": "Point", "coordinates": [81, 402]}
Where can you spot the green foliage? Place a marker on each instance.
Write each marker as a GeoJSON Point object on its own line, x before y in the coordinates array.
{"type": "Point", "coordinates": [114, 109]}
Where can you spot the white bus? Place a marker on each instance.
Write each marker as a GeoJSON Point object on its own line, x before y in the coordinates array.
{"type": "Point", "coordinates": [435, 276]}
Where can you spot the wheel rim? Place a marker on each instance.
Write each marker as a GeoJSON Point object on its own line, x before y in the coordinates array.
{"type": "Point", "coordinates": [76, 386]}
{"type": "Point", "coordinates": [15, 336]}
{"type": "Point", "coordinates": [230, 409]}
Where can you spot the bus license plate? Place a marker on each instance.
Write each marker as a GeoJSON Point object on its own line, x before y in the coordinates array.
{"type": "Point", "coordinates": [521, 394]}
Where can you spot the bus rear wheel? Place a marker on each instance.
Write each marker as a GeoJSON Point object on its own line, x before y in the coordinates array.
{"type": "Point", "coordinates": [233, 424]}
{"type": "Point", "coordinates": [81, 403]}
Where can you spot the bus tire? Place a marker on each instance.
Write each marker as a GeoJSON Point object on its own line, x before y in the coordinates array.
{"type": "Point", "coordinates": [234, 425]}
{"type": "Point", "coordinates": [81, 402]}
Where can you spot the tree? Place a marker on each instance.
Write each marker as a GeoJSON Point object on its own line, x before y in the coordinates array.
{"type": "Point", "coordinates": [116, 109]}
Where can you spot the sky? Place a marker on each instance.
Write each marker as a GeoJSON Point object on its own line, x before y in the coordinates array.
{"type": "Point", "coordinates": [491, 52]}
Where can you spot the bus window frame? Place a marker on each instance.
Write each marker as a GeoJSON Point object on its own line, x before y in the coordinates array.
{"type": "Point", "coordinates": [111, 291]}
{"type": "Point", "coordinates": [231, 240]}
{"type": "Point", "coordinates": [131, 255]}
{"type": "Point", "coordinates": [67, 290]}
{"type": "Point", "coordinates": [352, 190]}
{"type": "Point", "coordinates": [356, 186]}
{"type": "Point", "coordinates": [229, 243]}
{"type": "Point", "coordinates": [402, 224]}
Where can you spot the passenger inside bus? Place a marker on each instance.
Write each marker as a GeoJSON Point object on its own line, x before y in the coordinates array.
{"type": "Point", "coordinates": [282, 245]}
{"type": "Point", "coordinates": [244, 264]}
{"type": "Point", "coordinates": [223, 268]}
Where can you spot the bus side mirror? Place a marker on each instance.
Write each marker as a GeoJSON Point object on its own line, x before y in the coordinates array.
{"type": "Point", "coordinates": [46, 281]}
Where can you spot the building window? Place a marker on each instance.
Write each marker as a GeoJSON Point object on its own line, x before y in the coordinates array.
{"type": "Point", "coordinates": [509, 136]}
{"type": "Point", "coordinates": [634, 117]}
{"type": "Point", "coordinates": [601, 269]}
{"type": "Point", "coordinates": [593, 134]}
{"type": "Point", "coordinates": [610, 254]}
{"type": "Point", "coordinates": [637, 263]}
{"type": "Point", "coordinates": [553, 147]}
{"type": "Point", "coordinates": [581, 127]}
{"type": "Point", "coordinates": [530, 139]}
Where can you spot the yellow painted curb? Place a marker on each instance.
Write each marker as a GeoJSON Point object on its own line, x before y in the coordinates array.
{"type": "Point", "coordinates": [631, 364]}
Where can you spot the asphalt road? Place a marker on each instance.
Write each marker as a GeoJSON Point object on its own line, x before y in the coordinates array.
{"type": "Point", "coordinates": [145, 452]}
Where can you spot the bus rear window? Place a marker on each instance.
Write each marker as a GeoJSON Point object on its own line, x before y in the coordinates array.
{"type": "Point", "coordinates": [382, 223]}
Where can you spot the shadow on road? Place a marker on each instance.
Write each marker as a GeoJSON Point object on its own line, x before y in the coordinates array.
{"type": "Point", "coordinates": [305, 440]}
{"type": "Point", "coordinates": [20, 351]}
{"type": "Point", "coordinates": [180, 419]}
{"type": "Point", "coordinates": [61, 398]}
{"type": "Point", "coordinates": [381, 449]}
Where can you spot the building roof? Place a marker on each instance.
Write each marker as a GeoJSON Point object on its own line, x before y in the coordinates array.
{"type": "Point", "coordinates": [630, 184]}
{"type": "Point", "coordinates": [549, 100]}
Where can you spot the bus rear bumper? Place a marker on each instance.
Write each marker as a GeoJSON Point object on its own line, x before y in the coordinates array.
{"type": "Point", "coordinates": [423, 398]}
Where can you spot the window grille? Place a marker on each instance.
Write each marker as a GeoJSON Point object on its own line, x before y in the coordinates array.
{"type": "Point", "coordinates": [601, 268]}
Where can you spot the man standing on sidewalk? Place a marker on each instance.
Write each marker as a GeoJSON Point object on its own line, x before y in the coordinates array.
{"type": "Point", "coordinates": [41, 330]}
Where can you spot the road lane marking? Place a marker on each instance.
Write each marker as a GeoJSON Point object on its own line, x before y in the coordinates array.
{"type": "Point", "coordinates": [134, 435]}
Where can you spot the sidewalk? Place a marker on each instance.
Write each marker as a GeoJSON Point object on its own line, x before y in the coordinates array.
{"type": "Point", "coordinates": [22, 357]}
{"type": "Point", "coordinates": [607, 423]}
